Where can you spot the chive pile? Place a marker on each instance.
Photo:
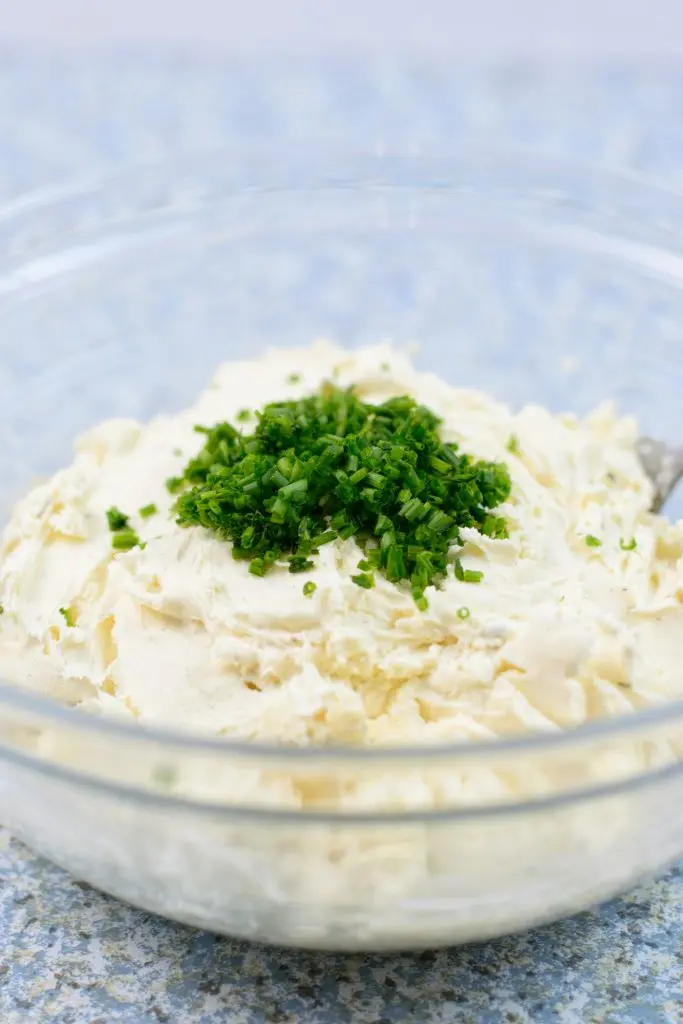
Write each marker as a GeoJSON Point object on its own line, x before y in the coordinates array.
{"type": "Point", "coordinates": [331, 466]}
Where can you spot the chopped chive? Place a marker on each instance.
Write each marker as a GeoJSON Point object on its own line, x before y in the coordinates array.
{"type": "Point", "coordinates": [309, 588]}
{"type": "Point", "coordinates": [294, 378]}
{"type": "Point", "coordinates": [440, 465]}
{"type": "Point", "coordinates": [395, 564]}
{"type": "Point", "coordinates": [513, 445]}
{"type": "Point", "coordinates": [2, 609]}
{"type": "Point", "coordinates": [116, 519]}
{"type": "Point", "coordinates": [174, 483]}
{"type": "Point", "coordinates": [243, 415]}
{"type": "Point", "coordinates": [68, 616]}
{"type": "Point", "coordinates": [365, 566]}
{"type": "Point", "coordinates": [124, 540]}
{"type": "Point", "coordinates": [412, 510]}
{"type": "Point", "coordinates": [466, 575]}
{"type": "Point", "coordinates": [463, 613]}
{"type": "Point", "coordinates": [592, 542]}
{"type": "Point", "coordinates": [323, 538]}
{"type": "Point", "coordinates": [297, 487]}
{"type": "Point", "coordinates": [383, 524]}
{"type": "Point", "coordinates": [148, 510]}
{"type": "Point", "coordinates": [298, 563]}
{"type": "Point", "coordinates": [439, 521]}
{"type": "Point", "coordinates": [385, 367]}
{"type": "Point", "coordinates": [631, 546]}
{"type": "Point", "coordinates": [364, 579]}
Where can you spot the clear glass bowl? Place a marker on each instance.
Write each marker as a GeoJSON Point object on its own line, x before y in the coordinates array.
{"type": "Point", "coordinates": [537, 282]}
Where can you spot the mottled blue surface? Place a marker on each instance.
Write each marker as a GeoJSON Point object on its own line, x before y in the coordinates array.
{"type": "Point", "coordinates": [72, 956]}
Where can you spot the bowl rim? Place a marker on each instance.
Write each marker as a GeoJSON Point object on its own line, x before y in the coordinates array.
{"type": "Point", "coordinates": [335, 153]}
{"type": "Point", "coordinates": [46, 710]}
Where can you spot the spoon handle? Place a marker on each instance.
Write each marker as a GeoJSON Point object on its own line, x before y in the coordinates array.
{"type": "Point", "coordinates": [663, 465]}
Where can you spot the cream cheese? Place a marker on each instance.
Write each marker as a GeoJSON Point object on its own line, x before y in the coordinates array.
{"type": "Point", "coordinates": [560, 631]}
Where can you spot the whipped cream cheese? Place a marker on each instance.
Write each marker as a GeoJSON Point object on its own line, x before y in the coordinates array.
{"type": "Point", "coordinates": [579, 613]}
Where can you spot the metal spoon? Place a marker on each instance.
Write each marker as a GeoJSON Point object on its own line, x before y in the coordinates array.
{"type": "Point", "coordinates": [663, 465]}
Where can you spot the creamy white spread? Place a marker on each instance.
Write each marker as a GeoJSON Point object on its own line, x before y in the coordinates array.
{"type": "Point", "coordinates": [560, 630]}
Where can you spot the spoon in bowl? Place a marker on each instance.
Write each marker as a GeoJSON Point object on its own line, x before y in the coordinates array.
{"type": "Point", "coordinates": [663, 465]}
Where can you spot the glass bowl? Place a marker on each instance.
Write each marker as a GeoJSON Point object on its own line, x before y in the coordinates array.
{"type": "Point", "coordinates": [535, 281]}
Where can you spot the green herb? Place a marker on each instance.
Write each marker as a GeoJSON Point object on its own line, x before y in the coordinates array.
{"type": "Point", "coordinates": [385, 366]}
{"type": "Point", "coordinates": [174, 483]}
{"type": "Point", "coordinates": [593, 542]}
{"type": "Point", "coordinates": [2, 609]}
{"type": "Point", "coordinates": [330, 466]}
{"type": "Point", "coordinates": [631, 546]}
{"type": "Point", "coordinates": [148, 510]}
{"type": "Point", "coordinates": [68, 616]}
{"type": "Point", "coordinates": [463, 613]}
{"type": "Point", "coordinates": [309, 588]}
{"type": "Point", "coordinates": [243, 415]}
{"type": "Point", "coordinates": [299, 563]}
{"type": "Point", "coordinates": [124, 540]}
{"type": "Point", "coordinates": [466, 575]}
{"type": "Point", "coordinates": [513, 445]}
{"type": "Point", "coordinates": [294, 378]}
{"type": "Point", "coordinates": [364, 579]}
{"type": "Point", "coordinates": [116, 518]}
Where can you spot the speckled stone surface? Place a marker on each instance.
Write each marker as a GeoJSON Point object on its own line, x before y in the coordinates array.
{"type": "Point", "coordinates": [69, 955]}
{"type": "Point", "coordinates": [73, 956]}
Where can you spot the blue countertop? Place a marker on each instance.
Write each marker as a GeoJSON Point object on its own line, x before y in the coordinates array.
{"type": "Point", "coordinates": [72, 956]}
